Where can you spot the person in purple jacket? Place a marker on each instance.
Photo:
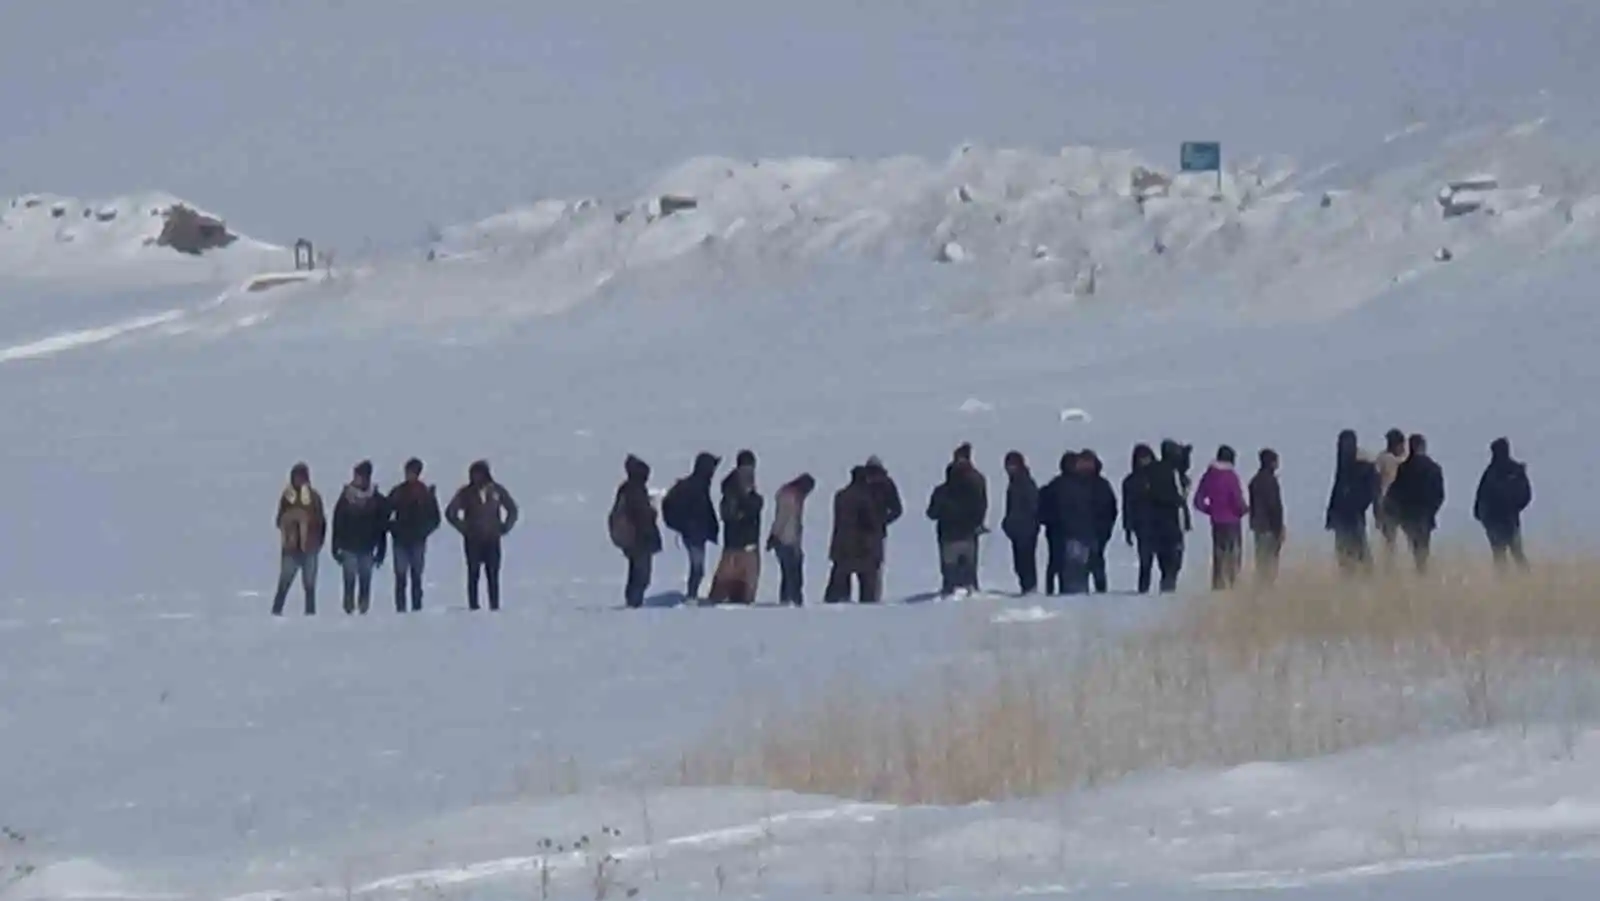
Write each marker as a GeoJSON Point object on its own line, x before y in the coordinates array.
{"type": "Point", "coordinates": [1220, 496]}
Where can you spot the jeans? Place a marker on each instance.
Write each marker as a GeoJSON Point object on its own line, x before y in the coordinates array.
{"type": "Point", "coordinates": [483, 561]}
{"type": "Point", "coordinates": [791, 574]}
{"type": "Point", "coordinates": [697, 568]}
{"type": "Point", "coordinates": [304, 566]}
{"type": "Point", "coordinates": [639, 566]}
{"type": "Point", "coordinates": [1227, 555]}
{"type": "Point", "coordinates": [409, 563]}
{"type": "Point", "coordinates": [1025, 560]}
{"type": "Point", "coordinates": [958, 565]}
{"type": "Point", "coordinates": [1506, 542]}
{"type": "Point", "coordinates": [1420, 536]}
{"type": "Point", "coordinates": [1269, 549]}
{"type": "Point", "coordinates": [357, 581]}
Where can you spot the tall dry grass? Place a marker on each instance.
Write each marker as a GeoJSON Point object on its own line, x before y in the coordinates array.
{"type": "Point", "coordinates": [1315, 665]}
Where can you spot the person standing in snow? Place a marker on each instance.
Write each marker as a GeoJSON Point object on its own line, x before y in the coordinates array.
{"type": "Point", "coordinates": [632, 524]}
{"type": "Point", "coordinates": [1355, 489]}
{"type": "Point", "coordinates": [1415, 498]}
{"type": "Point", "coordinates": [1504, 494]}
{"type": "Point", "coordinates": [856, 546]}
{"type": "Point", "coordinates": [1105, 521]}
{"type": "Point", "coordinates": [887, 494]}
{"type": "Point", "coordinates": [302, 528]}
{"type": "Point", "coordinates": [1388, 464]}
{"type": "Point", "coordinates": [1139, 514]}
{"type": "Point", "coordinates": [1179, 459]}
{"type": "Point", "coordinates": [1266, 517]}
{"type": "Point", "coordinates": [1220, 496]}
{"type": "Point", "coordinates": [1068, 508]}
{"type": "Point", "coordinates": [484, 512]}
{"type": "Point", "coordinates": [957, 510]}
{"type": "Point", "coordinates": [413, 518]}
{"type": "Point", "coordinates": [786, 540]}
{"type": "Point", "coordinates": [1168, 499]}
{"type": "Point", "coordinates": [738, 574]}
{"type": "Point", "coordinates": [360, 536]}
{"type": "Point", "coordinates": [969, 469]}
{"type": "Point", "coordinates": [687, 510]}
{"type": "Point", "coordinates": [1021, 522]}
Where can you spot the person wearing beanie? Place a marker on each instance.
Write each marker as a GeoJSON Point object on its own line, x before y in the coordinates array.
{"type": "Point", "coordinates": [1388, 464]}
{"type": "Point", "coordinates": [1355, 490]}
{"type": "Point", "coordinates": [1220, 497]}
{"type": "Point", "coordinates": [1021, 522]}
{"type": "Point", "coordinates": [302, 528]}
{"type": "Point", "coordinates": [484, 512]}
{"type": "Point", "coordinates": [687, 510]}
{"type": "Point", "coordinates": [414, 516]}
{"type": "Point", "coordinates": [360, 536]}
{"type": "Point", "coordinates": [1266, 517]}
{"type": "Point", "coordinates": [1416, 497]}
{"type": "Point", "coordinates": [1504, 494]}
{"type": "Point", "coordinates": [633, 528]}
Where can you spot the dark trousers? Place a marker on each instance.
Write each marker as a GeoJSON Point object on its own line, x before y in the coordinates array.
{"type": "Point", "coordinates": [1054, 547]}
{"type": "Point", "coordinates": [791, 574]}
{"type": "Point", "coordinates": [1098, 579]}
{"type": "Point", "coordinates": [639, 566]}
{"type": "Point", "coordinates": [1163, 552]}
{"type": "Point", "coordinates": [1227, 555]}
{"type": "Point", "coordinates": [483, 562]}
{"type": "Point", "coordinates": [697, 568]}
{"type": "Point", "coordinates": [1351, 549]}
{"type": "Point", "coordinates": [1269, 550]}
{"type": "Point", "coordinates": [1025, 560]}
{"type": "Point", "coordinates": [290, 566]}
{"type": "Point", "coordinates": [866, 575]}
{"type": "Point", "coordinates": [409, 562]}
{"type": "Point", "coordinates": [1505, 542]}
{"type": "Point", "coordinates": [1420, 536]}
{"type": "Point", "coordinates": [958, 565]}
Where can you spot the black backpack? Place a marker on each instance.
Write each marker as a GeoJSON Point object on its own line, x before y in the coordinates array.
{"type": "Point", "coordinates": [675, 506]}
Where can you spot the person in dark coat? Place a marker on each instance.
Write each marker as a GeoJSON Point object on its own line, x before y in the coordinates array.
{"type": "Point", "coordinates": [1416, 497]}
{"type": "Point", "coordinates": [414, 516]}
{"type": "Point", "coordinates": [1179, 459]}
{"type": "Point", "coordinates": [1055, 539]}
{"type": "Point", "coordinates": [856, 547]}
{"type": "Point", "coordinates": [887, 494]}
{"type": "Point", "coordinates": [1021, 522]}
{"type": "Point", "coordinates": [1168, 501]}
{"type": "Point", "coordinates": [1266, 517]}
{"type": "Point", "coordinates": [963, 457]}
{"type": "Point", "coordinates": [484, 512]}
{"type": "Point", "coordinates": [957, 508]}
{"type": "Point", "coordinates": [1355, 490]}
{"type": "Point", "coordinates": [738, 574]}
{"type": "Point", "coordinates": [634, 532]}
{"type": "Point", "coordinates": [1137, 514]}
{"type": "Point", "coordinates": [1105, 522]}
{"type": "Point", "coordinates": [360, 530]}
{"type": "Point", "coordinates": [687, 510]}
{"type": "Point", "coordinates": [787, 539]}
{"type": "Point", "coordinates": [1504, 494]}
{"type": "Point", "coordinates": [1069, 508]}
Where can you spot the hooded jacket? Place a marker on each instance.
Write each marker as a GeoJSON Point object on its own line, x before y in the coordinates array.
{"type": "Point", "coordinates": [1504, 493]}
{"type": "Point", "coordinates": [632, 521]}
{"type": "Point", "coordinates": [1417, 494]}
{"type": "Point", "coordinates": [360, 521]}
{"type": "Point", "coordinates": [1220, 495]}
{"type": "Point", "coordinates": [1068, 506]}
{"type": "Point", "coordinates": [301, 520]}
{"type": "Point", "coordinates": [1355, 489]}
{"type": "Point", "coordinates": [1021, 520]}
{"type": "Point", "coordinates": [688, 509]}
{"type": "Point", "coordinates": [885, 491]}
{"type": "Point", "coordinates": [958, 505]}
{"type": "Point", "coordinates": [1105, 502]}
{"type": "Point", "coordinates": [858, 524]}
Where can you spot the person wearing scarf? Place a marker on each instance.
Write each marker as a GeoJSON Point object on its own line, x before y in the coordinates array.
{"type": "Point", "coordinates": [360, 533]}
{"type": "Point", "coordinates": [302, 527]}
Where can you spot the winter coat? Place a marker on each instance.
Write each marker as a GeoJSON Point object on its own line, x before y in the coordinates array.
{"type": "Point", "coordinates": [788, 517]}
{"type": "Point", "coordinates": [1220, 495]}
{"type": "Point", "coordinates": [741, 512]}
{"type": "Point", "coordinates": [413, 513]}
{"type": "Point", "coordinates": [887, 495]}
{"type": "Point", "coordinates": [1504, 492]}
{"type": "Point", "coordinates": [1104, 507]}
{"type": "Point", "coordinates": [1418, 492]}
{"type": "Point", "coordinates": [959, 505]}
{"type": "Point", "coordinates": [360, 521]}
{"type": "Point", "coordinates": [1266, 504]}
{"type": "Point", "coordinates": [301, 521]}
{"type": "Point", "coordinates": [632, 522]}
{"type": "Point", "coordinates": [1022, 506]}
{"type": "Point", "coordinates": [1068, 506]}
{"type": "Point", "coordinates": [1152, 503]}
{"type": "Point", "coordinates": [858, 526]}
{"type": "Point", "coordinates": [482, 513]}
{"type": "Point", "coordinates": [1355, 489]}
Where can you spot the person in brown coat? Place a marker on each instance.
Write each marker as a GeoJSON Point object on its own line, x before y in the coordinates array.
{"type": "Point", "coordinates": [856, 547]}
{"type": "Point", "coordinates": [1266, 517]}
{"type": "Point", "coordinates": [634, 530]}
{"type": "Point", "coordinates": [302, 529]}
{"type": "Point", "coordinates": [484, 512]}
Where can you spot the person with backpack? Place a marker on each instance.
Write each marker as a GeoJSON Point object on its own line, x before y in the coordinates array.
{"type": "Point", "coordinates": [856, 546]}
{"type": "Point", "coordinates": [1220, 497]}
{"type": "Point", "coordinates": [302, 528]}
{"type": "Point", "coordinates": [687, 510]}
{"type": "Point", "coordinates": [1415, 498]}
{"type": "Point", "coordinates": [957, 508]}
{"type": "Point", "coordinates": [360, 536]}
{"type": "Point", "coordinates": [1266, 517]}
{"type": "Point", "coordinates": [738, 574]}
{"type": "Point", "coordinates": [484, 512]}
{"type": "Point", "coordinates": [787, 538]}
{"type": "Point", "coordinates": [1355, 490]}
{"type": "Point", "coordinates": [632, 524]}
{"type": "Point", "coordinates": [1105, 521]}
{"type": "Point", "coordinates": [1504, 494]}
{"type": "Point", "coordinates": [1021, 522]}
{"type": "Point", "coordinates": [414, 516]}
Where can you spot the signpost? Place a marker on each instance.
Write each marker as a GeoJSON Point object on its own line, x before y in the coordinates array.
{"type": "Point", "coordinates": [1202, 156]}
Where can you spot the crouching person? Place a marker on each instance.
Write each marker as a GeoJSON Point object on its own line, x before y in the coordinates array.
{"type": "Point", "coordinates": [634, 530]}
{"type": "Point", "coordinates": [302, 528]}
{"type": "Point", "coordinates": [738, 573]}
{"type": "Point", "coordinates": [786, 540]}
{"type": "Point", "coordinates": [484, 512]}
{"type": "Point", "coordinates": [413, 518]}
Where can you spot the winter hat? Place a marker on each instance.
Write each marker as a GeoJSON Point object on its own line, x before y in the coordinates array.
{"type": "Point", "coordinates": [1143, 452]}
{"type": "Point", "coordinates": [964, 452]}
{"type": "Point", "coordinates": [745, 458]}
{"type": "Point", "coordinates": [636, 468]}
{"type": "Point", "coordinates": [706, 463]}
{"type": "Point", "coordinates": [364, 468]}
{"type": "Point", "coordinates": [1500, 448]}
{"type": "Point", "coordinates": [858, 474]}
{"type": "Point", "coordinates": [301, 470]}
{"type": "Point", "coordinates": [413, 467]}
{"type": "Point", "coordinates": [1015, 460]}
{"type": "Point", "coordinates": [1225, 454]}
{"type": "Point", "coordinates": [479, 469]}
{"type": "Point", "coordinates": [874, 462]}
{"type": "Point", "coordinates": [1069, 461]}
{"type": "Point", "coordinates": [1269, 457]}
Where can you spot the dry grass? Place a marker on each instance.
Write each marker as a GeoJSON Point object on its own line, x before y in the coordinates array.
{"type": "Point", "coordinates": [1314, 666]}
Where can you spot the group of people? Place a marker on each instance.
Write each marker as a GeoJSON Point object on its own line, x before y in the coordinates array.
{"type": "Point", "coordinates": [1076, 513]}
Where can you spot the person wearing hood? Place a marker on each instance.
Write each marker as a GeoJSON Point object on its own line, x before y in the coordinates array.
{"type": "Point", "coordinates": [1266, 517]}
{"type": "Point", "coordinates": [957, 508]}
{"type": "Point", "coordinates": [633, 528]}
{"type": "Point", "coordinates": [1178, 458]}
{"type": "Point", "coordinates": [414, 516]}
{"type": "Point", "coordinates": [1415, 498]}
{"type": "Point", "coordinates": [856, 545]}
{"type": "Point", "coordinates": [1068, 503]}
{"type": "Point", "coordinates": [1138, 513]}
{"type": "Point", "coordinates": [1504, 494]}
{"type": "Point", "coordinates": [687, 510]}
{"type": "Point", "coordinates": [1021, 522]}
{"type": "Point", "coordinates": [1156, 512]}
{"type": "Point", "coordinates": [1388, 464]}
{"type": "Point", "coordinates": [963, 458]}
{"type": "Point", "coordinates": [887, 494]}
{"type": "Point", "coordinates": [302, 528]}
{"type": "Point", "coordinates": [787, 539]}
{"type": "Point", "coordinates": [738, 574]}
{"type": "Point", "coordinates": [1355, 489]}
{"type": "Point", "coordinates": [484, 512]}
{"type": "Point", "coordinates": [360, 536]}
{"type": "Point", "coordinates": [1220, 497]}
{"type": "Point", "coordinates": [1105, 522]}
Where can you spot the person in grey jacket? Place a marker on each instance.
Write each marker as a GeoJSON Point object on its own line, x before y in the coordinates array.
{"type": "Point", "coordinates": [484, 512]}
{"type": "Point", "coordinates": [786, 540]}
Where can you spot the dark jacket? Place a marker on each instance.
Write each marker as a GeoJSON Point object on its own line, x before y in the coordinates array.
{"type": "Point", "coordinates": [413, 513]}
{"type": "Point", "coordinates": [741, 511]}
{"type": "Point", "coordinates": [1104, 507]}
{"type": "Point", "coordinates": [1266, 504]}
{"type": "Point", "coordinates": [687, 507]}
{"type": "Point", "coordinates": [1504, 492]}
{"type": "Point", "coordinates": [858, 525]}
{"type": "Point", "coordinates": [1022, 506]}
{"type": "Point", "coordinates": [1417, 492]}
{"type": "Point", "coordinates": [482, 513]}
{"type": "Point", "coordinates": [958, 506]}
{"type": "Point", "coordinates": [1068, 505]}
{"type": "Point", "coordinates": [632, 521]}
{"type": "Point", "coordinates": [360, 521]}
{"type": "Point", "coordinates": [1355, 489]}
{"type": "Point", "coordinates": [1152, 503]}
{"type": "Point", "coordinates": [886, 493]}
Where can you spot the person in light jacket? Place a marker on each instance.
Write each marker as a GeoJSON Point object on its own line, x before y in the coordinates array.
{"type": "Point", "coordinates": [1220, 496]}
{"type": "Point", "coordinates": [787, 538]}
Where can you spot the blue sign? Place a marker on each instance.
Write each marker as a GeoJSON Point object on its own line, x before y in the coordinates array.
{"type": "Point", "coordinates": [1200, 156]}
